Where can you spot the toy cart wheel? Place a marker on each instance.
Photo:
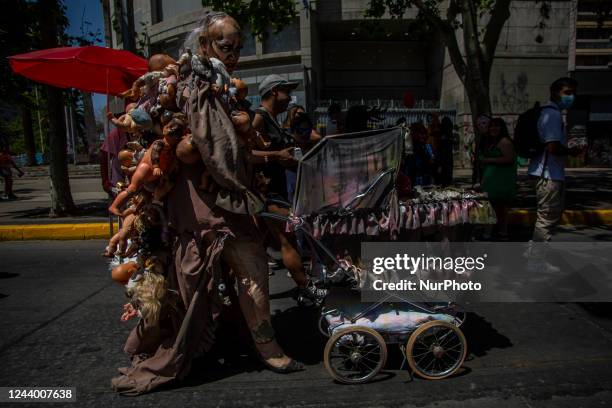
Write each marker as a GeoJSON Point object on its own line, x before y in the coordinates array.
{"type": "Point", "coordinates": [323, 326]}
{"type": "Point", "coordinates": [436, 350]}
{"type": "Point", "coordinates": [355, 355]}
{"type": "Point", "coordinates": [460, 317]}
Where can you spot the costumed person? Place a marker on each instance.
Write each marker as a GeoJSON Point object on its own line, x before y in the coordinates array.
{"type": "Point", "coordinates": [275, 94]}
{"type": "Point", "coordinates": [209, 228]}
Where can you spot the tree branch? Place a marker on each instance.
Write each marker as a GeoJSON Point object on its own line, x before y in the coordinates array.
{"type": "Point", "coordinates": [499, 15]}
{"type": "Point", "coordinates": [447, 29]}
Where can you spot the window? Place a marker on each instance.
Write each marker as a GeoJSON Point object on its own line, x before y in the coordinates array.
{"type": "Point", "coordinates": [593, 60]}
{"type": "Point", "coordinates": [286, 40]}
{"type": "Point", "coordinates": [248, 43]}
{"type": "Point", "coordinates": [157, 15]}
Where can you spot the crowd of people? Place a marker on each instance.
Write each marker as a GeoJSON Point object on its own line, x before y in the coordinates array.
{"type": "Point", "coordinates": [190, 164]}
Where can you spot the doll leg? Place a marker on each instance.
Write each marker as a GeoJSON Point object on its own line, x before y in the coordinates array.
{"type": "Point", "coordinates": [112, 245]}
{"type": "Point", "coordinates": [138, 179]}
{"type": "Point", "coordinates": [125, 231]}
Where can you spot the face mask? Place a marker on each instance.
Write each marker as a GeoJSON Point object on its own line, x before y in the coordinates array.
{"type": "Point", "coordinates": [566, 101]}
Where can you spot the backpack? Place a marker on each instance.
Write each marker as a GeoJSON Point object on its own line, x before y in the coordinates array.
{"type": "Point", "coordinates": [526, 135]}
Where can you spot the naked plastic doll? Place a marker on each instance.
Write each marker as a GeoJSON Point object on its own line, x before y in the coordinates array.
{"type": "Point", "coordinates": [240, 117]}
{"type": "Point", "coordinates": [157, 159]}
{"type": "Point", "coordinates": [133, 121]}
{"type": "Point", "coordinates": [130, 157]}
{"type": "Point", "coordinates": [148, 81]}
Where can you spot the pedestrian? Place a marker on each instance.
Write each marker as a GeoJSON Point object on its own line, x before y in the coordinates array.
{"type": "Point", "coordinates": [419, 165]}
{"type": "Point", "coordinates": [548, 167]}
{"type": "Point", "coordinates": [498, 161]}
{"type": "Point", "coordinates": [275, 94]}
{"type": "Point", "coordinates": [7, 164]}
{"type": "Point", "coordinates": [298, 123]}
{"type": "Point", "coordinates": [482, 128]}
{"type": "Point", "coordinates": [110, 165]}
{"type": "Point", "coordinates": [357, 118]}
{"type": "Point", "coordinates": [335, 120]}
{"type": "Point", "coordinates": [445, 154]}
{"type": "Point", "coordinates": [305, 137]}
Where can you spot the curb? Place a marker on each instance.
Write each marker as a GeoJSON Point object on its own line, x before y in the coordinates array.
{"type": "Point", "coordinates": [593, 218]}
{"type": "Point", "coordinates": [56, 231]}
{"type": "Point", "coordinates": [101, 230]}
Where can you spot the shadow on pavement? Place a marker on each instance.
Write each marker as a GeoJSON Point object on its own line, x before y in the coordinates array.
{"type": "Point", "coordinates": [481, 336]}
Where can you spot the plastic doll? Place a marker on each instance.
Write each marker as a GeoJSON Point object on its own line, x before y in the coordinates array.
{"type": "Point", "coordinates": [133, 121]}
{"type": "Point", "coordinates": [157, 159]}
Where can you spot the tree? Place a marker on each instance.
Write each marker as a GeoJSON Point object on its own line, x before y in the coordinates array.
{"type": "Point", "coordinates": [258, 15]}
{"type": "Point", "coordinates": [16, 37]}
{"type": "Point", "coordinates": [474, 70]}
{"type": "Point", "coordinates": [51, 18]}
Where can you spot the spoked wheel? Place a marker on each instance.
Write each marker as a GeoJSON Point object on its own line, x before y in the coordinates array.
{"type": "Point", "coordinates": [436, 350]}
{"type": "Point", "coordinates": [355, 355]}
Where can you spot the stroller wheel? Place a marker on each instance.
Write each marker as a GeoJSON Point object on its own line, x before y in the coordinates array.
{"type": "Point", "coordinates": [323, 326]}
{"type": "Point", "coordinates": [355, 355]}
{"type": "Point", "coordinates": [436, 350]}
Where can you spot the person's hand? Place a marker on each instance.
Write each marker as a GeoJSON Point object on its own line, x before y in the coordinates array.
{"type": "Point", "coordinates": [109, 115]}
{"type": "Point", "coordinates": [285, 157]}
{"type": "Point", "coordinates": [21, 173]}
{"type": "Point", "coordinates": [157, 172]}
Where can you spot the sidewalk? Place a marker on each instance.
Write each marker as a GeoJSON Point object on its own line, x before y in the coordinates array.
{"type": "Point", "coordinates": [588, 196]}
{"type": "Point", "coordinates": [588, 202]}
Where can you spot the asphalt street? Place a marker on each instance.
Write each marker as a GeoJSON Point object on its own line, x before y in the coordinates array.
{"type": "Point", "coordinates": [60, 315]}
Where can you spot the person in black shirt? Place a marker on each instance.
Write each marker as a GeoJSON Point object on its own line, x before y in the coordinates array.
{"type": "Point", "coordinates": [275, 94]}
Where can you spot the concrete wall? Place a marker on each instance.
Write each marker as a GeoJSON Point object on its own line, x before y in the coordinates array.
{"type": "Point", "coordinates": [523, 67]}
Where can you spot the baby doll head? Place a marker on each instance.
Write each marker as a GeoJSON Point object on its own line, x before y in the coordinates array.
{"type": "Point", "coordinates": [175, 128]}
{"type": "Point", "coordinates": [123, 272]}
{"type": "Point", "coordinates": [141, 118]}
{"type": "Point", "coordinates": [158, 62]}
{"type": "Point", "coordinates": [186, 152]}
{"type": "Point", "coordinates": [126, 157]}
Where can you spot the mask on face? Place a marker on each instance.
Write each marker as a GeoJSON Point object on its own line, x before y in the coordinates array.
{"type": "Point", "coordinates": [566, 101]}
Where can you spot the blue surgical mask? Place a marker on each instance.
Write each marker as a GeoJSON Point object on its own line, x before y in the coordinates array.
{"type": "Point", "coordinates": [566, 101]}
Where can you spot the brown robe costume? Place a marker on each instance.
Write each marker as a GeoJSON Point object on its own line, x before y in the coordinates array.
{"type": "Point", "coordinates": [204, 231]}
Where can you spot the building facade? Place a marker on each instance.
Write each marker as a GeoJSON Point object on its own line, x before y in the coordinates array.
{"type": "Point", "coordinates": [336, 54]}
{"type": "Point", "coordinates": [590, 62]}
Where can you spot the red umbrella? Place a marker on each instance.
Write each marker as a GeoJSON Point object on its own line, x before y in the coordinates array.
{"type": "Point", "coordinates": [91, 69]}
